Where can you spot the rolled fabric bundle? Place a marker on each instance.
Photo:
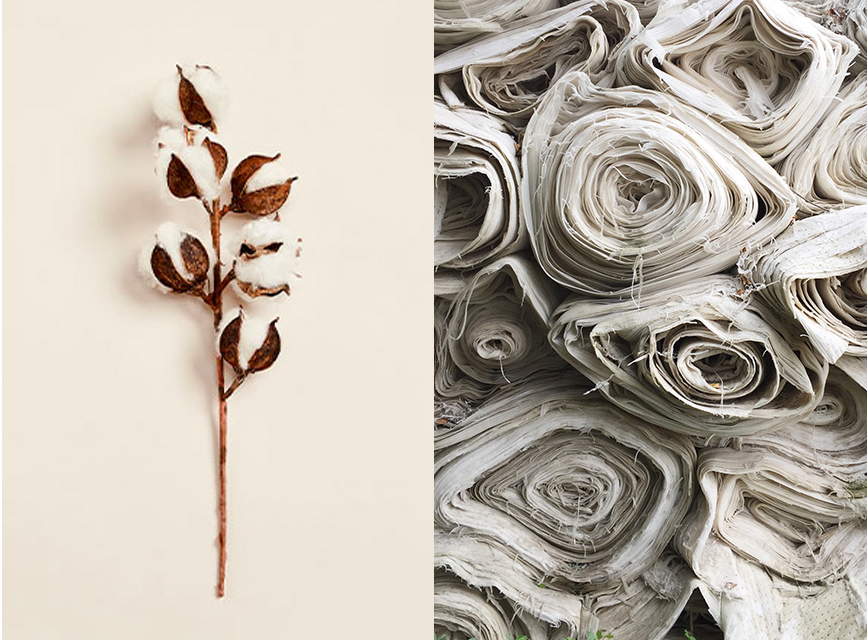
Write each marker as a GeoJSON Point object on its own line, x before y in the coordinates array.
{"type": "Point", "coordinates": [829, 169]}
{"type": "Point", "coordinates": [629, 192]}
{"type": "Point", "coordinates": [816, 273]}
{"type": "Point", "coordinates": [496, 330]}
{"type": "Point", "coordinates": [624, 610]}
{"type": "Point", "coordinates": [476, 179]}
{"type": "Point", "coordinates": [698, 359]}
{"type": "Point", "coordinates": [457, 21]}
{"type": "Point", "coordinates": [461, 612]}
{"type": "Point", "coordinates": [759, 67]}
{"type": "Point", "coordinates": [793, 501]}
{"type": "Point", "coordinates": [545, 494]}
{"type": "Point", "coordinates": [832, 440]}
{"type": "Point", "coordinates": [506, 74]}
{"type": "Point", "coordinates": [455, 394]}
{"type": "Point", "coordinates": [797, 521]}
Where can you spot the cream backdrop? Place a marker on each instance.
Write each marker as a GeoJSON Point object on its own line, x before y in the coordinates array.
{"type": "Point", "coordinates": [109, 467]}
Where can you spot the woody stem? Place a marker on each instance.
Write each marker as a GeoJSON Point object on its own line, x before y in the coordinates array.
{"type": "Point", "coordinates": [217, 305]}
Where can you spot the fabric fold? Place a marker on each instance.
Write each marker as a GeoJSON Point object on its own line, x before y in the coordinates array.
{"type": "Point", "coordinates": [460, 611]}
{"type": "Point", "coordinates": [457, 21]}
{"type": "Point", "coordinates": [491, 330]}
{"type": "Point", "coordinates": [476, 180]}
{"type": "Point", "coordinates": [828, 169]}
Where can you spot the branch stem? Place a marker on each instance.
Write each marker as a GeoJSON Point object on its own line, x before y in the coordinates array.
{"type": "Point", "coordinates": [215, 213]}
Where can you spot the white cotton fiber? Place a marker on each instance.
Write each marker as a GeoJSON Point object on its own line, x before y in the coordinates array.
{"type": "Point", "coordinates": [263, 231]}
{"type": "Point", "coordinates": [201, 166]}
{"type": "Point", "coordinates": [268, 175]}
{"type": "Point", "coordinates": [146, 272]}
{"type": "Point", "coordinates": [269, 270]}
{"type": "Point", "coordinates": [167, 105]}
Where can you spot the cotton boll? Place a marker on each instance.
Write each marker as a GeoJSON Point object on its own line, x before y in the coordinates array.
{"type": "Point", "coordinates": [266, 275]}
{"type": "Point", "coordinates": [260, 185]}
{"type": "Point", "coordinates": [267, 259]}
{"type": "Point", "coordinates": [263, 231]}
{"type": "Point", "coordinates": [143, 265]}
{"type": "Point", "coordinates": [193, 95]}
{"type": "Point", "coordinates": [169, 237]}
{"type": "Point", "coordinates": [197, 158]}
{"type": "Point", "coordinates": [201, 166]}
{"type": "Point", "coordinates": [179, 261]}
{"type": "Point", "coordinates": [253, 334]}
{"type": "Point", "coordinates": [249, 344]}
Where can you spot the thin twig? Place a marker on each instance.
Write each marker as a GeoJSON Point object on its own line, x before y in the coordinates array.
{"type": "Point", "coordinates": [225, 281]}
{"type": "Point", "coordinates": [235, 384]}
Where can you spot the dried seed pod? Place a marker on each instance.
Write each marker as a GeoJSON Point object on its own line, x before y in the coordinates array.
{"type": "Point", "coordinates": [249, 344]}
{"type": "Point", "coordinates": [260, 185]}
{"type": "Point", "coordinates": [191, 162]}
{"type": "Point", "coordinates": [194, 95]}
{"type": "Point", "coordinates": [267, 258]}
{"type": "Point", "coordinates": [179, 261]}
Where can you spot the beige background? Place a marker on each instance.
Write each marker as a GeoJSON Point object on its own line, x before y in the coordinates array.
{"type": "Point", "coordinates": [109, 468]}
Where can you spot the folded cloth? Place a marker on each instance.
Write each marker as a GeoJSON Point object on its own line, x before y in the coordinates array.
{"type": "Point", "coordinates": [778, 532]}
{"type": "Point", "coordinates": [463, 611]}
{"type": "Point", "coordinates": [457, 21]}
{"type": "Point", "coordinates": [828, 169]}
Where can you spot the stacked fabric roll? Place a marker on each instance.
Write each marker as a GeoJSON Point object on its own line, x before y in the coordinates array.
{"type": "Point", "coordinates": [650, 320]}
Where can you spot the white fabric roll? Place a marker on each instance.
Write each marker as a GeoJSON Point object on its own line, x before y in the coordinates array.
{"type": "Point", "coordinates": [700, 359]}
{"type": "Point", "coordinates": [628, 192]}
{"type": "Point", "coordinates": [506, 74]}
{"type": "Point", "coordinates": [476, 179]}
{"type": "Point", "coordinates": [759, 67]}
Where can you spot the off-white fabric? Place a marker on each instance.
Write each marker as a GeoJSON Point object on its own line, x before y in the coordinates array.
{"type": "Point", "coordinates": [507, 73]}
{"type": "Point", "coordinates": [816, 274]}
{"type": "Point", "coordinates": [566, 505]}
{"type": "Point", "coordinates": [629, 192]}
{"type": "Point", "coordinates": [700, 359]}
{"type": "Point", "coordinates": [476, 179]}
{"type": "Point", "coordinates": [457, 21]}
{"type": "Point", "coordinates": [687, 237]}
{"type": "Point", "coordinates": [491, 330]}
{"type": "Point", "coordinates": [759, 67]}
{"type": "Point", "coordinates": [829, 169]}
{"type": "Point", "coordinates": [462, 611]}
